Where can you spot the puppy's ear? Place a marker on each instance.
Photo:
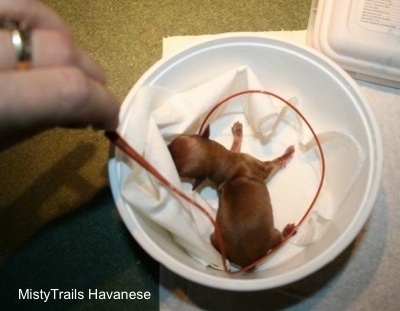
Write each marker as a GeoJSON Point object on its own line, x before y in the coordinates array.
{"type": "Point", "coordinates": [206, 132]}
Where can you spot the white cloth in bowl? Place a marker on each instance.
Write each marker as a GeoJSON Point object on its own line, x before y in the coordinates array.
{"type": "Point", "coordinates": [154, 116]}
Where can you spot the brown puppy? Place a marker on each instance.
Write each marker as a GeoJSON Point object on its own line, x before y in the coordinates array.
{"type": "Point", "coordinates": [244, 214]}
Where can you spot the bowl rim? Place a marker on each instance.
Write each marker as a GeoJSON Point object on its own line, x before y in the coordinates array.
{"type": "Point", "coordinates": [232, 283]}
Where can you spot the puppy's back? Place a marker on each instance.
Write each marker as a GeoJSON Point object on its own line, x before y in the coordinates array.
{"type": "Point", "coordinates": [246, 220]}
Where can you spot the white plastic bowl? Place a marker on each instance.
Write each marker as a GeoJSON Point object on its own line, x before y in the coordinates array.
{"type": "Point", "coordinates": [327, 94]}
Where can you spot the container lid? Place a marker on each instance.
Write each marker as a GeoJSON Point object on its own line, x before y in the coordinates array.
{"type": "Point", "coordinates": [362, 36]}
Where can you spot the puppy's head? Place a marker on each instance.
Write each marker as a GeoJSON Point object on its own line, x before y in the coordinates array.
{"type": "Point", "coordinates": [188, 153]}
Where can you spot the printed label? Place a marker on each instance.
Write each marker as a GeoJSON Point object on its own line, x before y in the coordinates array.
{"type": "Point", "coordinates": [380, 15]}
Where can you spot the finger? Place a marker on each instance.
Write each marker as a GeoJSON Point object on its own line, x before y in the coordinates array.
{"type": "Point", "coordinates": [62, 96]}
{"type": "Point", "coordinates": [34, 14]}
{"type": "Point", "coordinates": [50, 48]}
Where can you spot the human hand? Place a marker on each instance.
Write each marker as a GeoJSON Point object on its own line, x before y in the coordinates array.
{"type": "Point", "coordinates": [62, 86]}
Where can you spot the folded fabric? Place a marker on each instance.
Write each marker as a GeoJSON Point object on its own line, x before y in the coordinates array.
{"type": "Point", "coordinates": [158, 115]}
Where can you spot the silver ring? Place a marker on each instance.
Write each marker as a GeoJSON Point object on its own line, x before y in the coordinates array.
{"type": "Point", "coordinates": [22, 45]}
{"type": "Point", "coordinates": [21, 40]}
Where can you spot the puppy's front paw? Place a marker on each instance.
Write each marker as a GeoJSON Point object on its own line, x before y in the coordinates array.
{"type": "Point", "coordinates": [288, 153]}
{"type": "Point", "coordinates": [237, 129]}
{"type": "Point", "coordinates": [286, 157]}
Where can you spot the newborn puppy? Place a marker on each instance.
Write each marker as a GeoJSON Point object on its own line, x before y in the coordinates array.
{"type": "Point", "coordinates": [244, 214]}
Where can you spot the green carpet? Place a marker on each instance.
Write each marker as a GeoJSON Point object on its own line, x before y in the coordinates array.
{"type": "Point", "coordinates": [58, 224]}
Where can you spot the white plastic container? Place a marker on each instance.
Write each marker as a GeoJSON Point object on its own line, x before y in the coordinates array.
{"type": "Point", "coordinates": [362, 36]}
{"type": "Point", "coordinates": [331, 100]}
